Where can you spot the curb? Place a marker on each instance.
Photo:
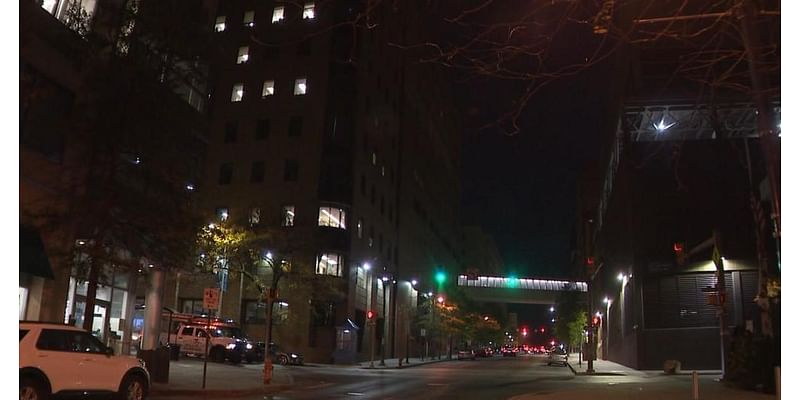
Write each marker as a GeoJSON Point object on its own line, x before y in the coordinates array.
{"type": "Point", "coordinates": [214, 392]}
{"type": "Point", "coordinates": [571, 369]}
{"type": "Point", "coordinates": [410, 365]}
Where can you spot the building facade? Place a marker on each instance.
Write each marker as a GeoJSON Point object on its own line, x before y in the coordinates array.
{"type": "Point", "coordinates": [343, 148]}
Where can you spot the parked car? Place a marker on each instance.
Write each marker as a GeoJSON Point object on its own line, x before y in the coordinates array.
{"type": "Point", "coordinates": [62, 359]}
{"type": "Point", "coordinates": [484, 352]}
{"type": "Point", "coordinates": [278, 355]}
{"type": "Point", "coordinates": [226, 342]}
{"type": "Point", "coordinates": [557, 355]}
{"type": "Point", "coordinates": [509, 352]}
{"type": "Point", "coordinates": [466, 355]}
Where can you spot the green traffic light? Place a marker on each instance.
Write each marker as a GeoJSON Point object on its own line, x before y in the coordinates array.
{"type": "Point", "coordinates": [440, 277]}
{"type": "Point", "coordinates": [513, 281]}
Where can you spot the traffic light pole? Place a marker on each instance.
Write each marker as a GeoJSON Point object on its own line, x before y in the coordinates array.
{"type": "Point", "coordinates": [590, 351]}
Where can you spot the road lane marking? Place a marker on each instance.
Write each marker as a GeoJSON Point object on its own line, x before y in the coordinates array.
{"type": "Point", "coordinates": [355, 394]}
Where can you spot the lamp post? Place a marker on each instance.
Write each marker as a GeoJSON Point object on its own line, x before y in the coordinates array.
{"type": "Point", "coordinates": [608, 302]}
{"type": "Point", "coordinates": [384, 286]}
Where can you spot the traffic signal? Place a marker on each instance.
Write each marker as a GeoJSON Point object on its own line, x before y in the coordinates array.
{"type": "Point", "coordinates": [596, 321]}
{"type": "Point", "coordinates": [370, 315]}
{"type": "Point", "coordinates": [440, 277]}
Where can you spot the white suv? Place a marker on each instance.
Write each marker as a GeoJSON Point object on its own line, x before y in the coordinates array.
{"type": "Point", "coordinates": [63, 359]}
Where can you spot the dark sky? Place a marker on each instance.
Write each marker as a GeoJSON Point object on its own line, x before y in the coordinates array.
{"type": "Point", "coordinates": [521, 188]}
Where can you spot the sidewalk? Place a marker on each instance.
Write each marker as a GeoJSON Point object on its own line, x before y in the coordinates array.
{"type": "Point", "coordinates": [394, 363]}
{"type": "Point", "coordinates": [186, 379]}
{"type": "Point", "coordinates": [601, 367]}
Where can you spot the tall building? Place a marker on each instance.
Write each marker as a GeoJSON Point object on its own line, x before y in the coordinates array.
{"type": "Point", "coordinates": [110, 145]}
{"type": "Point", "coordinates": [340, 145]}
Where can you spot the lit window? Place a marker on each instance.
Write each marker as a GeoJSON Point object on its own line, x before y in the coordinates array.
{"type": "Point", "coordinates": [287, 216]}
{"type": "Point", "coordinates": [244, 55]}
{"type": "Point", "coordinates": [268, 89]}
{"type": "Point", "coordinates": [222, 213]}
{"type": "Point", "coordinates": [277, 14]}
{"type": "Point", "coordinates": [249, 18]}
{"type": "Point", "coordinates": [255, 216]}
{"type": "Point", "coordinates": [300, 86]}
{"type": "Point", "coordinates": [332, 216]}
{"type": "Point", "coordinates": [237, 93]}
{"type": "Point", "coordinates": [383, 170]}
{"type": "Point", "coordinates": [360, 228]}
{"type": "Point", "coordinates": [329, 264]}
{"type": "Point", "coordinates": [308, 11]}
{"type": "Point", "coordinates": [219, 25]}
{"type": "Point", "coordinates": [374, 158]}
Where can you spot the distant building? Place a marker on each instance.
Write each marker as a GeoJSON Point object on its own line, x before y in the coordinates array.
{"type": "Point", "coordinates": [480, 253]}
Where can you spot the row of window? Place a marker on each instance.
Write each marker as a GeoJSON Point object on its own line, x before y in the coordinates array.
{"type": "Point", "coordinates": [333, 217]}
{"type": "Point", "coordinates": [267, 89]}
{"type": "Point", "coordinates": [245, 56]}
{"type": "Point", "coordinates": [263, 128]}
{"type": "Point", "coordinates": [278, 16]}
{"type": "Point", "coordinates": [291, 172]}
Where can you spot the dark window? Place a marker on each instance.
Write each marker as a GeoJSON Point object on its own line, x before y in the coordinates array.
{"type": "Point", "coordinates": [372, 195]}
{"type": "Point", "coordinates": [380, 242]}
{"type": "Point", "coordinates": [290, 171]}
{"type": "Point", "coordinates": [225, 174]}
{"type": "Point", "coordinates": [231, 131]}
{"type": "Point", "coordinates": [257, 172]}
{"type": "Point", "coordinates": [187, 331]}
{"type": "Point", "coordinates": [366, 105]}
{"type": "Point", "coordinates": [295, 126]}
{"type": "Point", "coordinates": [304, 48]}
{"type": "Point", "coordinates": [22, 333]}
{"type": "Point", "coordinates": [323, 314]}
{"type": "Point", "coordinates": [262, 129]}
{"type": "Point", "coordinates": [363, 185]}
{"type": "Point", "coordinates": [383, 203]}
{"type": "Point", "coordinates": [67, 340]}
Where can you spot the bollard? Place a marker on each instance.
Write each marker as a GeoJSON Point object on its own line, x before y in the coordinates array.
{"type": "Point", "coordinates": [695, 386]}
{"type": "Point", "coordinates": [778, 382]}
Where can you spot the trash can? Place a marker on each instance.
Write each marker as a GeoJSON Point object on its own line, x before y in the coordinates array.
{"type": "Point", "coordinates": [157, 363]}
{"type": "Point", "coordinates": [174, 351]}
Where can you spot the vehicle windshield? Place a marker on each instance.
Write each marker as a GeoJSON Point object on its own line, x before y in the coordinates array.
{"type": "Point", "coordinates": [224, 331]}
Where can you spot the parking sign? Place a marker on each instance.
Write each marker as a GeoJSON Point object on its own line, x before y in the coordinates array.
{"type": "Point", "coordinates": [211, 298]}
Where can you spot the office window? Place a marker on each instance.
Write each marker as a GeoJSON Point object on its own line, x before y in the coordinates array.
{"type": "Point", "coordinates": [332, 216]}
{"type": "Point", "coordinates": [287, 216]}
{"type": "Point", "coordinates": [192, 306]}
{"type": "Point", "coordinates": [363, 185]}
{"type": "Point", "coordinates": [372, 195]}
{"type": "Point", "coordinates": [254, 312]}
{"type": "Point", "coordinates": [329, 264]}
{"type": "Point", "coordinates": [295, 126]}
{"type": "Point", "coordinates": [231, 132]}
{"type": "Point", "coordinates": [300, 86]}
{"type": "Point", "coordinates": [222, 213]}
{"type": "Point", "coordinates": [257, 172]}
{"type": "Point", "coordinates": [249, 18]}
{"type": "Point", "coordinates": [360, 228]}
{"type": "Point", "coordinates": [308, 10]}
{"type": "Point", "coordinates": [219, 25]}
{"type": "Point", "coordinates": [237, 93]}
{"type": "Point", "coordinates": [243, 55]}
{"type": "Point", "coordinates": [255, 216]}
{"type": "Point", "coordinates": [226, 174]}
{"type": "Point", "coordinates": [382, 204]}
{"type": "Point", "coordinates": [290, 170]}
{"type": "Point", "coordinates": [278, 14]}
{"type": "Point", "coordinates": [262, 129]}
{"type": "Point", "coordinates": [383, 170]}
{"type": "Point", "coordinates": [268, 89]}
{"type": "Point", "coordinates": [374, 158]}
{"type": "Point", "coordinates": [371, 241]}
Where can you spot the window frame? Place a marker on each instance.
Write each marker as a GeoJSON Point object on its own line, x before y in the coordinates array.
{"type": "Point", "coordinates": [300, 86]}
{"type": "Point", "coordinates": [288, 215]}
{"type": "Point", "coordinates": [268, 88]}
{"type": "Point", "coordinates": [278, 14]}
{"type": "Point", "coordinates": [243, 55]}
{"type": "Point", "coordinates": [237, 96]}
{"type": "Point", "coordinates": [309, 13]}
{"type": "Point", "coordinates": [332, 213]}
{"type": "Point", "coordinates": [249, 22]}
{"type": "Point", "coordinates": [322, 257]}
{"type": "Point", "coordinates": [219, 26]}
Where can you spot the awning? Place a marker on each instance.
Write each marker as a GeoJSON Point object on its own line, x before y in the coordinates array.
{"type": "Point", "coordinates": [32, 257]}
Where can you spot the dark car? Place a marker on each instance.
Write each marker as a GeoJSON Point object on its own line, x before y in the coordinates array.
{"type": "Point", "coordinates": [277, 355]}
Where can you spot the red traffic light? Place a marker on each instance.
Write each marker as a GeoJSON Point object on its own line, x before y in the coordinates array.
{"type": "Point", "coordinates": [370, 314]}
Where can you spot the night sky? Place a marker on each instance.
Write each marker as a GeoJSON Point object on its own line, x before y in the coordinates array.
{"type": "Point", "coordinates": [521, 189]}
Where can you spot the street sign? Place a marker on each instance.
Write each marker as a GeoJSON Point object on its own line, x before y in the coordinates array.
{"type": "Point", "coordinates": [211, 298]}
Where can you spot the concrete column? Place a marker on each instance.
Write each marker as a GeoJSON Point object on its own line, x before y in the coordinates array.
{"type": "Point", "coordinates": [152, 309]}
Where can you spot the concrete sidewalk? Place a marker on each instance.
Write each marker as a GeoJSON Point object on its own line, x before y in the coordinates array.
{"type": "Point", "coordinates": [601, 367]}
{"type": "Point", "coordinates": [394, 363]}
{"type": "Point", "coordinates": [186, 379]}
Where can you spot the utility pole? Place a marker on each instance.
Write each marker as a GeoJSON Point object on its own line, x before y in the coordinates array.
{"type": "Point", "coordinates": [718, 262]}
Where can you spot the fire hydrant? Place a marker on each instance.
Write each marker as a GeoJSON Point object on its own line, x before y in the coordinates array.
{"type": "Point", "coordinates": [267, 371]}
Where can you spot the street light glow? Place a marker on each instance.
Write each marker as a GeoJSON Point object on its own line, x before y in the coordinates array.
{"type": "Point", "coordinates": [606, 300]}
{"type": "Point", "coordinates": [620, 277]}
{"type": "Point", "coordinates": [414, 282]}
{"type": "Point", "coordinates": [552, 309]}
{"type": "Point", "coordinates": [440, 277]}
{"type": "Point", "coordinates": [440, 299]}
{"type": "Point", "coordinates": [366, 266]}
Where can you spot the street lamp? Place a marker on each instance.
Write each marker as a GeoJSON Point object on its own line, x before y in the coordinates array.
{"type": "Point", "coordinates": [552, 309]}
{"type": "Point", "coordinates": [608, 324]}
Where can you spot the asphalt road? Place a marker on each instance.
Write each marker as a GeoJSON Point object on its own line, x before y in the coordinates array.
{"type": "Point", "coordinates": [517, 378]}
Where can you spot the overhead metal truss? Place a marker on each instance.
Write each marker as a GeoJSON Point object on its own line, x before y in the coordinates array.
{"type": "Point", "coordinates": [521, 283]}
{"type": "Point", "coordinates": [674, 122]}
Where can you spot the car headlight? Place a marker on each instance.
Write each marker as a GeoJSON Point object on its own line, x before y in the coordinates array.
{"type": "Point", "coordinates": [294, 355]}
{"type": "Point", "coordinates": [248, 346]}
{"type": "Point", "coordinates": [231, 346]}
